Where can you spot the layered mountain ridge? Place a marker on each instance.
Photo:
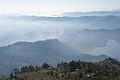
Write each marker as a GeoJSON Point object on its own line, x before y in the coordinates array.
{"type": "Point", "coordinates": [51, 51]}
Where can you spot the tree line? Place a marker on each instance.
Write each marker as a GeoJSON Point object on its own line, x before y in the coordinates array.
{"type": "Point", "coordinates": [109, 69]}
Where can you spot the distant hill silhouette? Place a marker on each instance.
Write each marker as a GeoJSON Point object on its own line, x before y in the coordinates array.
{"type": "Point", "coordinates": [92, 13]}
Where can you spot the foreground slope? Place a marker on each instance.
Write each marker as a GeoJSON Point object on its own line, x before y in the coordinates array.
{"type": "Point", "coordinates": [109, 69]}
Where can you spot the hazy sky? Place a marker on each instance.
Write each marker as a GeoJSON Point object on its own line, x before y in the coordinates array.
{"type": "Point", "coordinates": [51, 7]}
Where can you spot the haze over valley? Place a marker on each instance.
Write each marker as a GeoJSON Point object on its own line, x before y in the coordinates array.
{"type": "Point", "coordinates": [85, 33]}
{"type": "Point", "coordinates": [59, 40]}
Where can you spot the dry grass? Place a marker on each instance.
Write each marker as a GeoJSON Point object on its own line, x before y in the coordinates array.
{"type": "Point", "coordinates": [39, 75]}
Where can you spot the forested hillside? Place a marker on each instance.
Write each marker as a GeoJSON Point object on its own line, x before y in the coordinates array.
{"type": "Point", "coordinates": [109, 69]}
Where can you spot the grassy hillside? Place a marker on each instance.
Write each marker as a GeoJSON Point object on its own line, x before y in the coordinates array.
{"type": "Point", "coordinates": [39, 75]}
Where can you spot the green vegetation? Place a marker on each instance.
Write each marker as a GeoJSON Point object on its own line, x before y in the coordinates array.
{"type": "Point", "coordinates": [109, 69]}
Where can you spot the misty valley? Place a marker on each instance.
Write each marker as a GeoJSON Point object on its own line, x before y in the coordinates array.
{"type": "Point", "coordinates": [70, 46]}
